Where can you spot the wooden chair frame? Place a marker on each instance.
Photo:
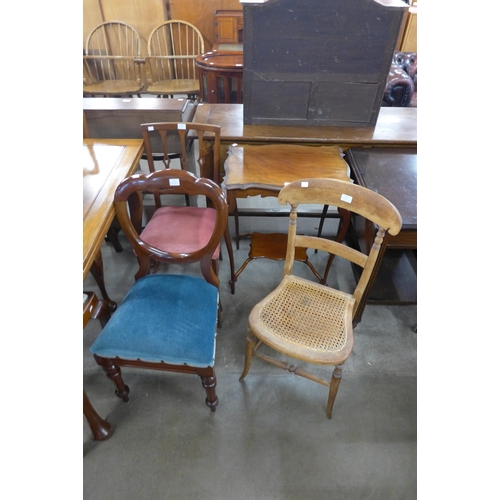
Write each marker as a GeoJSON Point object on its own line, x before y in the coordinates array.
{"type": "Point", "coordinates": [112, 61]}
{"type": "Point", "coordinates": [299, 341]}
{"type": "Point", "coordinates": [171, 63]}
{"type": "Point", "coordinates": [128, 203]}
{"type": "Point", "coordinates": [167, 147]}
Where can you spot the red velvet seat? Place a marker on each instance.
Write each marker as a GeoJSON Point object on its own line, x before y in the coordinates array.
{"type": "Point", "coordinates": [194, 223]}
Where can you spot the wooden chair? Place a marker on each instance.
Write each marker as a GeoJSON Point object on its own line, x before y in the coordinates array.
{"type": "Point", "coordinates": [93, 308]}
{"type": "Point", "coordinates": [309, 321]}
{"type": "Point", "coordinates": [166, 321]}
{"type": "Point", "coordinates": [171, 63]}
{"type": "Point", "coordinates": [112, 61]}
{"type": "Point", "coordinates": [162, 143]}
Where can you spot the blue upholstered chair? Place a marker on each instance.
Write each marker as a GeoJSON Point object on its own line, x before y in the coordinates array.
{"type": "Point", "coordinates": [166, 321]}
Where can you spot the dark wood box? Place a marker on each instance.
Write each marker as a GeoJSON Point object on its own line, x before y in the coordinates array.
{"type": "Point", "coordinates": [318, 62]}
{"type": "Point", "coordinates": [121, 118]}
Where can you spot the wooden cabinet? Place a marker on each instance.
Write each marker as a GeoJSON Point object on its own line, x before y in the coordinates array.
{"type": "Point", "coordinates": [228, 26]}
{"type": "Point", "coordinates": [316, 62]}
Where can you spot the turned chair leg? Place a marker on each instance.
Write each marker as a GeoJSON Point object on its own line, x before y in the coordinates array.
{"type": "Point", "coordinates": [250, 346]}
{"type": "Point", "coordinates": [209, 381]}
{"type": "Point", "coordinates": [114, 373]}
{"type": "Point", "coordinates": [334, 387]}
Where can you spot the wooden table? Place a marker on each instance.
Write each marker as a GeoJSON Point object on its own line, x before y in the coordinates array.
{"type": "Point", "coordinates": [221, 75]}
{"type": "Point", "coordinates": [392, 172]}
{"type": "Point", "coordinates": [395, 127]}
{"type": "Point", "coordinates": [253, 169]}
{"type": "Point", "coordinates": [106, 162]}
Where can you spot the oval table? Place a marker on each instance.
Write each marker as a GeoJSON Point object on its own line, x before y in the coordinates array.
{"type": "Point", "coordinates": [221, 76]}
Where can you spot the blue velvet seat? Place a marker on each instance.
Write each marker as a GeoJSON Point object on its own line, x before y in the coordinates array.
{"type": "Point", "coordinates": [163, 318]}
{"type": "Point", "coordinates": [165, 322]}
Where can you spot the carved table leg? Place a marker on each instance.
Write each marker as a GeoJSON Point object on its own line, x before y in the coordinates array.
{"type": "Point", "coordinates": [101, 429]}
{"type": "Point", "coordinates": [250, 346]}
{"type": "Point", "coordinates": [97, 272]}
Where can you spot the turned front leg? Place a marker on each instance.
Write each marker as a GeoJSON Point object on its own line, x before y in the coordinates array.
{"type": "Point", "coordinates": [114, 373]}
{"type": "Point", "coordinates": [209, 381]}
{"type": "Point", "coordinates": [334, 387]}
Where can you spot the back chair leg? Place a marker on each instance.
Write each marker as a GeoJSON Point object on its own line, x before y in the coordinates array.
{"type": "Point", "coordinates": [229, 245]}
{"type": "Point", "coordinates": [114, 373]}
{"type": "Point", "coordinates": [250, 346]}
{"type": "Point", "coordinates": [334, 387]}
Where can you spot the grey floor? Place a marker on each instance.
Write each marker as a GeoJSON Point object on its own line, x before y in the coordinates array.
{"type": "Point", "coordinates": [269, 438]}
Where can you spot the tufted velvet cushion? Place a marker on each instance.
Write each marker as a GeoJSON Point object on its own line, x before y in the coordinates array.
{"type": "Point", "coordinates": [163, 317]}
{"type": "Point", "coordinates": [180, 229]}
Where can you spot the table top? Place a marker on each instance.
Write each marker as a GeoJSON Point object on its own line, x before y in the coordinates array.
{"type": "Point", "coordinates": [270, 166]}
{"type": "Point", "coordinates": [132, 103]}
{"type": "Point", "coordinates": [106, 162]}
{"type": "Point", "coordinates": [392, 172]}
{"type": "Point", "coordinates": [223, 60]}
{"type": "Point", "coordinates": [395, 127]}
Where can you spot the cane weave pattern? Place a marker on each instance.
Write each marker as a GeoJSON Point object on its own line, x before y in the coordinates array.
{"type": "Point", "coordinates": [308, 315]}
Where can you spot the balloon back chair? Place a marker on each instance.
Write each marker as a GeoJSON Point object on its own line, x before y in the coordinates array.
{"type": "Point", "coordinates": [165, 141]}
{"type": "Point", "coordinates": [166, 321]}
{"type": "Point", "coordinates": [112, 61]}
{"type": "Point", "coordinates": [309, 321]}
{"type": "Point", "coordinates": [171, 63]}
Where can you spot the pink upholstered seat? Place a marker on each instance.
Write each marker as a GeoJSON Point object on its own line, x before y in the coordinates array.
{"type": "Point", "coordinates": [180, 229]}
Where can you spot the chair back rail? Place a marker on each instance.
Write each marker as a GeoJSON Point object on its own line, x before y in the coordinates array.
{"type": "Point", "coordinates": [159, 142]}
{"type": "Point", "coordinates": [113, 54]}
{"type": "Point", "coordinates": [128, 204]}
{"type": "Point", "coordinates": [172, 50]}
{"type": "Point", "coordinates": [352, 197]}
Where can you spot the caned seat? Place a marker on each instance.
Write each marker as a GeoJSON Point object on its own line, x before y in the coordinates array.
{"type": "Point", "coordinates": [166, 321]}
{"type": "Point", "coordinates": [112, 61]}
{"type": "Point", "coordinates": [308, 321]}
{"type": "Point", "coordinates": [171, 63]}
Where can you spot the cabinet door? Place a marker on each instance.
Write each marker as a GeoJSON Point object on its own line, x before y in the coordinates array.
{"type": "Point", "coordinates": [409, 43]}
{"type": "Point", "coordinates": [226, 30]}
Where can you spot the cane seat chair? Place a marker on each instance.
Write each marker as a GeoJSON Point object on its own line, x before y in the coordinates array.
{"type": "Point", "coordinates": [166, 321]}
{"type": "Point", "coordinates": [112, 61]}
{"type": "Point", "coordinates": [165, 141]}
{"type": "Point", "coordinates": [308, 321]}
{"type": "Point", "coordinates": [171, 63]}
